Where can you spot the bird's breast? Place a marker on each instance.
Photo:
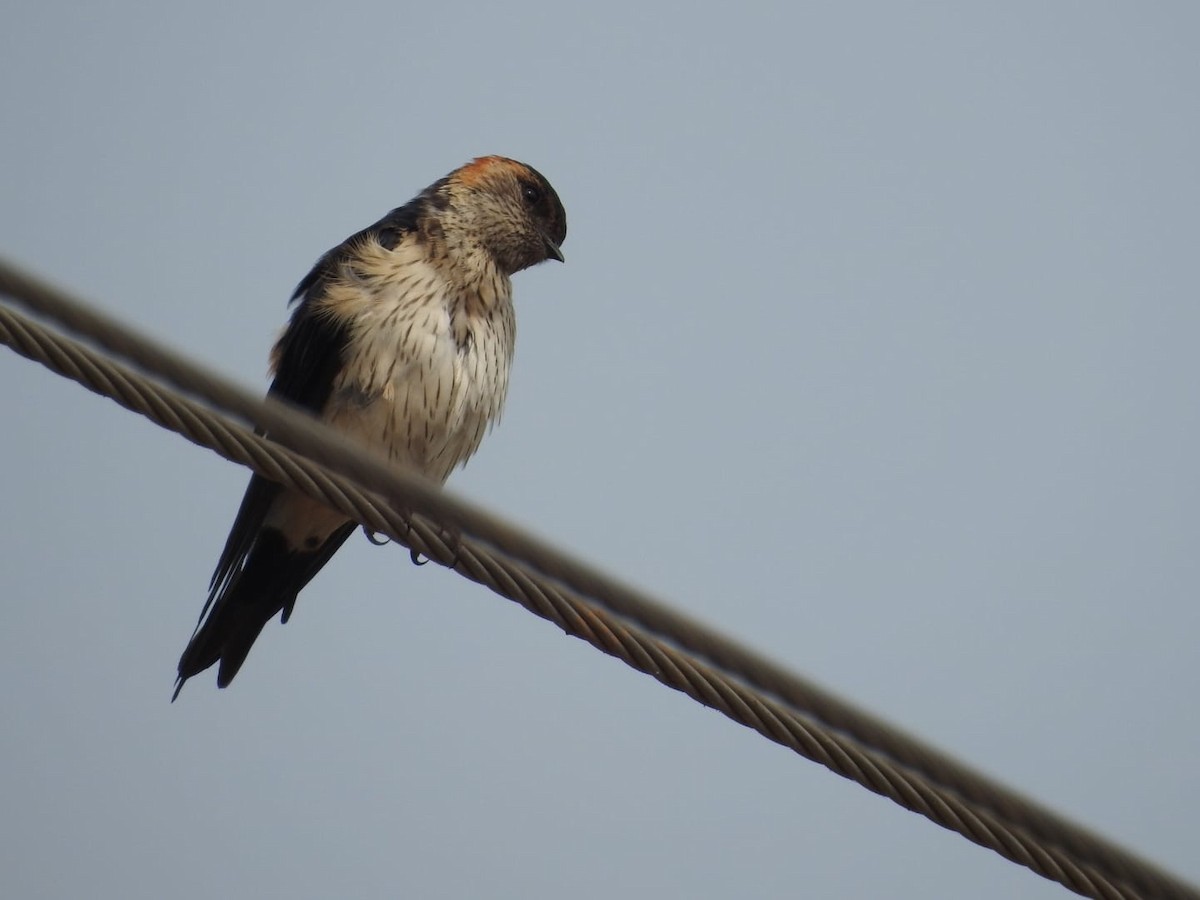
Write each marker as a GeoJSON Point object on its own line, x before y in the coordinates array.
{"type": "Point", "coordinates": [426, 367]}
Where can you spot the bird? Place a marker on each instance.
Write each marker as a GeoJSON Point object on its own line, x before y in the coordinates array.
{"type": "Point", "coordinates": [401, 338]}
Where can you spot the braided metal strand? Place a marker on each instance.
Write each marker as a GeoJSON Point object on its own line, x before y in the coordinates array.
{"type": "Point", "coordinates": [419, 495]}
{"type": "Point", "coordinates": [576, 617]}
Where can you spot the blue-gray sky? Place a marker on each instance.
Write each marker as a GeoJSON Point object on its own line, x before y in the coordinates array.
{"type": "Point", "coordinates": [876, 346]}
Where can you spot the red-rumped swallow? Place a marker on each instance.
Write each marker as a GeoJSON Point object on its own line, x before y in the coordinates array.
{"type": "Point", "coordinates": [403, 340]}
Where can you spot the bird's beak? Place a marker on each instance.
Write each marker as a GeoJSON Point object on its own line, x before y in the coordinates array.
{"type": "Point", "coordinates": [553, 251]}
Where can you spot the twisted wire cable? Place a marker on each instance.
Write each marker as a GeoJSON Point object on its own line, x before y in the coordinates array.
{"type": "Point", "coordinates": [985, 825]}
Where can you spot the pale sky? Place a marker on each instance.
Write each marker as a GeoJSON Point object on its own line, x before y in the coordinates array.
{"type": "Point", "coordinates": [875, 347]}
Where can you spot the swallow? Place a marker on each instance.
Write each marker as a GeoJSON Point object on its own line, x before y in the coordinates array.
{"type": "Point", "coordinates": [402, 338]}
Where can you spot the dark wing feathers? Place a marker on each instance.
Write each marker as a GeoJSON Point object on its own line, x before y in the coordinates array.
{"type": "Point", "coordinates": [309, 355]}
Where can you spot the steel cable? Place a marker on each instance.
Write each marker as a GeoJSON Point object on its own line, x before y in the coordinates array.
{"type": "Point", "coordinates": [521, 583]}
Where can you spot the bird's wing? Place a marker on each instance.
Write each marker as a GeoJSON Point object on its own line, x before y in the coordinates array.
{"type": "Point", "coordinates": [307, 359]}
{"type": "Point", "coordinates": [309, 355]}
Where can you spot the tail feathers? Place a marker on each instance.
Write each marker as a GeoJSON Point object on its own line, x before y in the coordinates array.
{"type": "Point", "coordinates": [227, 636]}
{"type": "Point", "coordinates": [240, 607]}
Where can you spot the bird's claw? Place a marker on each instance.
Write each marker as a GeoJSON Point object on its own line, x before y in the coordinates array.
{"type": "Point", "coordinates": [375, 537]}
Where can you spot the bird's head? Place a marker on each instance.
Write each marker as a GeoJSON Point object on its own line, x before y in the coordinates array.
{"type": "Point", "coordinates": [505, 208]}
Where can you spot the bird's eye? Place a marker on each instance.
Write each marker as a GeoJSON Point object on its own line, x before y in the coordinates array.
{"type": "Point", "coordinates": [531, 193]}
